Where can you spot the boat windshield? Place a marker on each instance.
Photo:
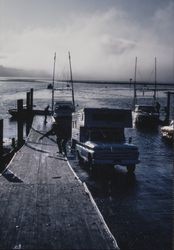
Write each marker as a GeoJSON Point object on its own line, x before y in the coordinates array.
{"type": "Point", "coordinates": [146, 108]}
{"type": "Point", "coordinates": [64, 106]}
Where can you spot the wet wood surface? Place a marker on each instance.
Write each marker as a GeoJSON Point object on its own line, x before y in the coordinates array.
{"type": "Point", "coordinates": [43, 204]}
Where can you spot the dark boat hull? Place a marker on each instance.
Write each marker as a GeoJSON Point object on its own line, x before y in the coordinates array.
{"type": "Point", "coordinates": [141, 120]}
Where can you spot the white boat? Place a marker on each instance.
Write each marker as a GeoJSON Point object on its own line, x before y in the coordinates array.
{"type": "Point", "coordinates": [168, 132]}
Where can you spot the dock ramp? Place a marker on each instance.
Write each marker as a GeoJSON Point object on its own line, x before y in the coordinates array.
{"type": "Point", "coordinates": [43, 204]}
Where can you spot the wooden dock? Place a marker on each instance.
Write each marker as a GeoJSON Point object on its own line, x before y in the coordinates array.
{"type": "Point", "coordinates": [43, 204]}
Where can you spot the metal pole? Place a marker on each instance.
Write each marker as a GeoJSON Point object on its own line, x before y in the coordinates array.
{"type": "Point", "coordinates": [71, 79]}
{"type": "Point", "coordinates": [1, 137]}
{"type": "Point", "coordinates": [52, 108]}
{"type": "Point", "coordinates": [155, 81]}
{"type": "Point", "coordinates": [130, 82]}
{"type": "Point", "coordinates": [20, 123]}
{"type": "Point", "coordinates": [135, 80]}
{"type": "Point", "coordinates": [168, 108]}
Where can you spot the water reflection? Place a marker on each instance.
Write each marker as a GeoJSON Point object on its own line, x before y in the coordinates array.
{"type": "Point", "coordinates": [107, 181]}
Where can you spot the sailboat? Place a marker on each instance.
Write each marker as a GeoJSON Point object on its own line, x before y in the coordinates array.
{"type": "Point", "coordinates": [146, 115]}
{"type": "Point", "coordinates": [62, 109]}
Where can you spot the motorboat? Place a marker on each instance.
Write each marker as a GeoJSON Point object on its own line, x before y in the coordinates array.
{"type": "Point", "coordinates": [50, 86]}
{"type": "Point", "coordinates": [63, 109]}
{"type": "Point", "coordinates": [168, 132]}
{"type": "Point", "coordinates": [146, 115]}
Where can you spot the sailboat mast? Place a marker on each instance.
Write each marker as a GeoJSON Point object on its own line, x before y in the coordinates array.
{"type": "Point", "coordinates": [52, 107]}
{"type": "Point", "coordinates": [155, 80]}
{"type": "Point", "coordinates": [71, 79]}
{"type": "Point", "coordinates": [135, 81]}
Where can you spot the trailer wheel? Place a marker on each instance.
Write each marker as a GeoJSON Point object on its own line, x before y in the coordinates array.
{"type": "Point", "coordinates": [131, 168]}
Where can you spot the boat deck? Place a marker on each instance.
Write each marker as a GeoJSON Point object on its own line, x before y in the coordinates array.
{"type": "Point", "coordinates": [43, 204]}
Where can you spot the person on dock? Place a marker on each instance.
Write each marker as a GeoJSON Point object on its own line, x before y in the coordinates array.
{"type": "Point", "coordinates": [46, 112]}
{"type": "Point", "coordinates": [62, 137]}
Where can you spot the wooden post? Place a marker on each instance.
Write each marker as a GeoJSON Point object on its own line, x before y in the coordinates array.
{"type": "Point", "coordinates": [28, 100]}
{"type": "Point", "coordinates": [31, 98]}
{"type": "Point", "coordinates": [1, 137]}
{"type": "Point", "coordinates": [13, 144]}
{"type": "Point", "coordinates": [29, 111]}
{"type": "Point", "coordinates": [20, 124]}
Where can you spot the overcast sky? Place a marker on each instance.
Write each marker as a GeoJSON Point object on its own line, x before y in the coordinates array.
{"type": "Point", "coordinates": [103, 36]}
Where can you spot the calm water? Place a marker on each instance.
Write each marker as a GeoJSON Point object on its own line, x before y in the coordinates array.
{"type": "Point", "coordinates": [138, 208]}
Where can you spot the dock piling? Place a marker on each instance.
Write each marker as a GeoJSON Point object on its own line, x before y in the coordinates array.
{"type": "Point", "coordinates": [1, 137]}
{"type": "Point", "coordinates": [20, 124]}
{"type": "Point", "coordinates": [13, 143]}
{"type": "Point", "coordinates": [31, 98]}
{"type": "Point", "coordinates": [28, 102]}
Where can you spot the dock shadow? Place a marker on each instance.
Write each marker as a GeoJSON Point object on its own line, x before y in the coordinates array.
{"type": "Point", "coordinates": [11, 177]}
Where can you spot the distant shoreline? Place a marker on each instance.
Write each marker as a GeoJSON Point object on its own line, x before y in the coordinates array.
{"type": "Point", "coordinates": [115, 82]}
{"type": "Point", "coordinates": [48, 79]}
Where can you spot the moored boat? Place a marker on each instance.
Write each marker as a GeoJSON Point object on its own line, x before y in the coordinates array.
{"type": "Point", "coordinates": [146, 115]}
{"type": "Point", "coordinates": [63, 109]}
{"type": "Point", "coordinates": [50, 86]}
{"type": "Point", "coordinates": [168, 132]}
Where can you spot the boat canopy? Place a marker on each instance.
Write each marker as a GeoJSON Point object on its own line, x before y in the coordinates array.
{"type": "Point", "coordinates": [145, 108]}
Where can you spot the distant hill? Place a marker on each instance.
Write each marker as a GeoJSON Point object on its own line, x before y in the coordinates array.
{"type": "Point", "coordinates": [13, 72]}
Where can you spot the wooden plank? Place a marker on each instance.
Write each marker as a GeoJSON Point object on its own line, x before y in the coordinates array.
{"type": "Point", "coordinates": [44, 205]}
